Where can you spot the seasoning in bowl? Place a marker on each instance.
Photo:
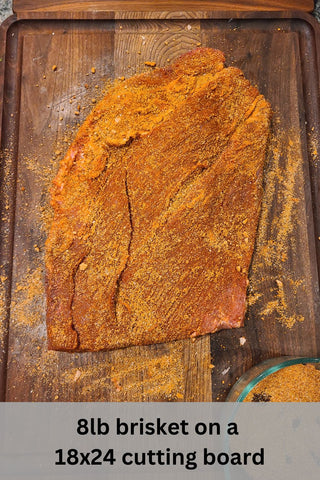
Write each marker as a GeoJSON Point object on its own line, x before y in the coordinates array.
{"type": "Point", "coordinates": [280, 379]}
{"type": "Point", "coordinates": [295, 383]}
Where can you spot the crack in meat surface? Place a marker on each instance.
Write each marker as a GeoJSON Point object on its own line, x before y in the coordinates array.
{"type": "Point", "coordinates": [156, 206]}
{"type": "Point", "coordinates": [129, 245]}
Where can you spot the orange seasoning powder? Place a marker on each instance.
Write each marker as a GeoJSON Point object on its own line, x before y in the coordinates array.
{"type": "Point", "coordinates": [296, 383]}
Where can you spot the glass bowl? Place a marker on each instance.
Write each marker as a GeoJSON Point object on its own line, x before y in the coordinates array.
{"type": "Point", "coordinates": [257, 373]}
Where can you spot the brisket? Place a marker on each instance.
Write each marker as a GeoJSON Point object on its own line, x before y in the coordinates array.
{"type": "Point", "coordinates": [156, 207]}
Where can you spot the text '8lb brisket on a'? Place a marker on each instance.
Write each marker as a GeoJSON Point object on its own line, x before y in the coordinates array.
{"type": "Point", "coordinates": [156, 206]}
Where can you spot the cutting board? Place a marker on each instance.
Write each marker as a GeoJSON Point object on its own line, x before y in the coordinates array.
{"type": "Point", "coordinates": [61, 7]}
{"type": "Point", "coordinates": [54, 70]}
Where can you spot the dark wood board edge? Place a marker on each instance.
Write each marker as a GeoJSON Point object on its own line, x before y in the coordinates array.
{"type": "Point", "coordinates": [159, 14]}
{"type": "Point", "coordinates": [61, 6]}
{"type": "Point", "coordinates": [7, 192]}
{"type": "Point", "coordinates": [312, 77]}
{"type": "Point", "coordinates": [4, 27]}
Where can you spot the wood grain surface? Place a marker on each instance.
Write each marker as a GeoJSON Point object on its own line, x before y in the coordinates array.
{"type": "Point", "coordinates": [161, 5]}
{"type": "Point", "coordinates": [49, 88]}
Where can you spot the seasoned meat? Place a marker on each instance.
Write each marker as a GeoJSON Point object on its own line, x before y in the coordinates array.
{"type": "Point", "coordinates": [156, 207]}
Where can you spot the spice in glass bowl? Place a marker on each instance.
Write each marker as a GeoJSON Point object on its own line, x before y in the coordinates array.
{"type": "Point", "coordinates": [294, 383]}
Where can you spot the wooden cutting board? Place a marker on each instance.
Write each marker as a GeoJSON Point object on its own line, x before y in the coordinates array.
{"type": "Point", "coordinates": [48, 89]}
{"type": "Point", "coordinates": [27, 7]}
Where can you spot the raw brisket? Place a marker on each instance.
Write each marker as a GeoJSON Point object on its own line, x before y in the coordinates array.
{"type": "Point", "coordinates": [156, 207]}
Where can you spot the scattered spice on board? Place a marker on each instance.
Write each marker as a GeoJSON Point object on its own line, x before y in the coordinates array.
{"type": "Point", "coordinates": [3, 313]}
{"type": "Point", "coordinates": [28, 300]}
{"type": "Point", "coordinates": [313, 146]}
{"type": "Point", "coordinates": [277, 285]}
{"type": "Point", "coordinates": [296, 383]}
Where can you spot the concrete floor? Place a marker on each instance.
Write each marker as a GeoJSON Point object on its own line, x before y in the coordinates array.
{"type": "Point", "coordinates": [316, 11]}
{"type": "Point", "coordinates": [5, 9]}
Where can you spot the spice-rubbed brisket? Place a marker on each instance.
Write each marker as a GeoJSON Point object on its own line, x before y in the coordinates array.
{"type": "Point", "coordinates": [156, 206]}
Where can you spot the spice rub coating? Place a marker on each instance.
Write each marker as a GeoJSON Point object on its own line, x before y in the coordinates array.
{"type": "Point", "coordinates": [156, 207]}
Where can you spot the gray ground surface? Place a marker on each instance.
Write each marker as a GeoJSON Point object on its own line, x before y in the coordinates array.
{"type": "Point", "coordinates": [5, 9]}
{"type": "Point", "coordinates": [317, 10]}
